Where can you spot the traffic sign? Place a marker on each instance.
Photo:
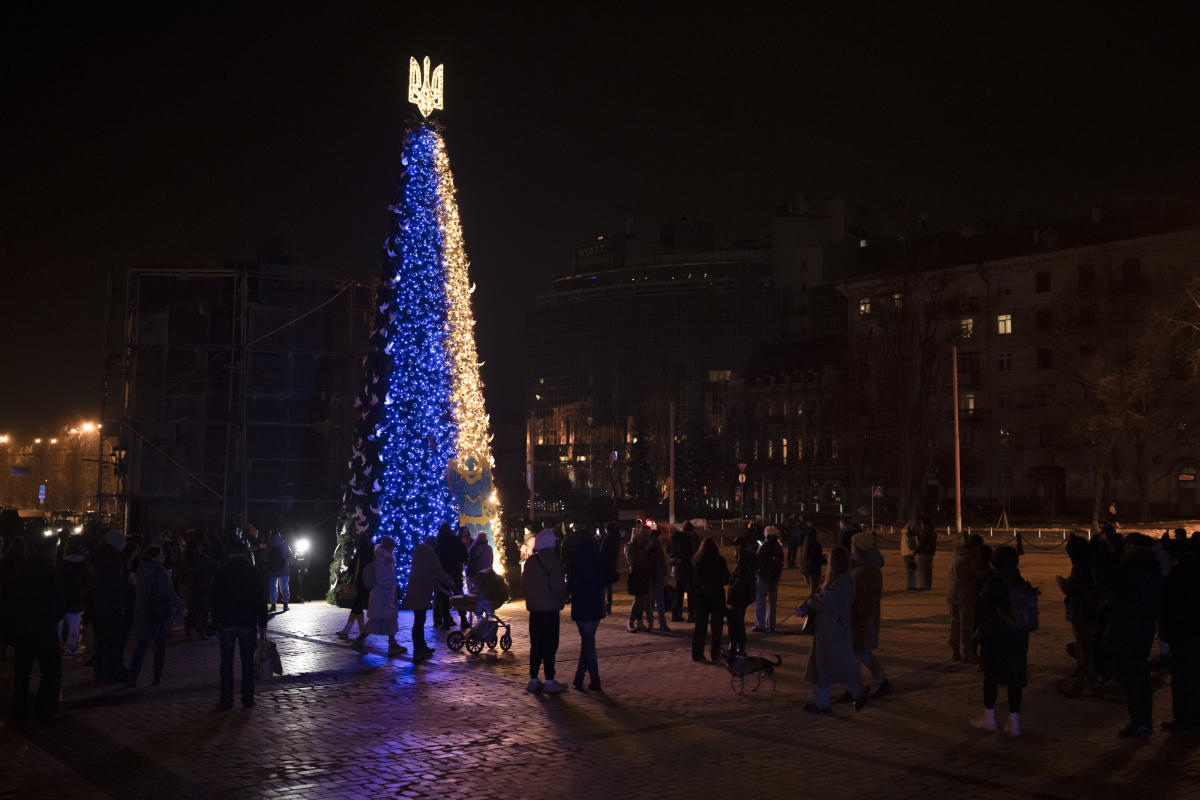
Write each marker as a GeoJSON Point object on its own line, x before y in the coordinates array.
{"type": "Point", "coordinates": [877, 492]}
{"type": "Point", "coordinates": [742, 466]}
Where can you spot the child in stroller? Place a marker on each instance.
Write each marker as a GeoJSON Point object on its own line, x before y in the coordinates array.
{"type": "Point", "coordinates": [487, 592]}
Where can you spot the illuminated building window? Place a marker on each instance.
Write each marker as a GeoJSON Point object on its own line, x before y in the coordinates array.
{"type": "Point", "coordinates": [967, 327]}
{"type": "Point", "coordinates": [799, 408]}
{"type": "Point", "coordinates": [783, 450]}
{"type": "Point", "coordinates": [799, 453]}
{"type": "Point", "coordinates": [831, 444]}
{"type": "Point", "coordinates": [770, 449]}
{"type": "Point", "coordinates": [1003, 324]}
{"type": "Point", "coordinates": [814, 449]}
{"type": "Point", "coordinates": [966, 403]}
{"type": "Point", "coordinates": [864, 306]}
{"type": "Point", "coordinates": [719, 375]}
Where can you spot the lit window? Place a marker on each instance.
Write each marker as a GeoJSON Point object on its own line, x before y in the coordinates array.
{"type": "Point", "coordinates": [770, 449]}
{"type": "Point", "coordinates": [864, 306]}
{"type": "Point", "coordinates": [966, 403]}
{"type": "Point", "coordinates": [783, 450]}
{"type": "Point", "coordinates": [1003, 324]}
{"type": "Point", "coordinates": [967, 325]}
{"type": "Point", "coordinates": [833, 449]}
{"type": "Point", "coordinates": [799, 408]}
{"type": "Point", "coordinates": [799, 455]}
{"type": "Point", "coordinates": [719, 375]}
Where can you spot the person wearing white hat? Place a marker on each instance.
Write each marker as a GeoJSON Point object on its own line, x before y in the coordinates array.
{"type": "Point", "coordinates": [545, 593]}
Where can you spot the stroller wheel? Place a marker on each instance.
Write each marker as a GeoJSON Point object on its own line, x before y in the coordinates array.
{"type": "Point", "coordinates": [474, 645]}
{"type": "Point", "coordinates": [455, 641]}
{"type": "Point", "coordinates": [491, 643]}
{"type": "Point", "coordinates": [505, 642]}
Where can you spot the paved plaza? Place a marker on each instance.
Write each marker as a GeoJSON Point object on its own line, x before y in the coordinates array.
{"type": "Point", "coordinates": [338, 724]}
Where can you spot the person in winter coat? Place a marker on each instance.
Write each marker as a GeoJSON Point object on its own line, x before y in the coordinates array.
{"type": "Point", "coordinates": [1136, 602]}
{"type": "Point", "coordinates": [34, 609]}
{"type": "Point", "coordinates": [154, 610]}
{"type": "Point", "coordinates": [743, 585]}
{"type": "Point", "coordinates": [909, 545]}
{"type": "Point", "coordinates": [710, 573]}
{"type": "Point", "coordinates": [480, 558]}
{"type": "Point", "coordinates": [812, 557]}
{"type": "Point", "coordinates": [793, 533]}
{"type": "Point", "coordinates": [658, 584]}
{"type": "Point", "coordinates": [865, 609]}
{"type": "Point", "coordinates": [1082, 600]}
{"type": "Point", "coordinates": [452, 555]}
{"type": "Point", "coordinates": [1004, 649]}
{"type": "Point", "coordinates": [770, 570]}
{"type": "Point", "coordinates": [926, 547]}
{"type": "Point", "coordinates": [1181, 624]}
{"type": "Point", "coordinates": [832, 659]}
{"type": "Point", "coordinates": [110, 576]}
{"type": "Point", "coordinates": [545, 594]}
{"type": "Point", "coordinates": [382, 614]}
{"type": "Point", "coordinates": [75, 576]}
{"type": "Point", "coordinates": [681, 550]}
{"type": "Point", "coordinates": [424, 578]}
{"type": "Point", "coordinates": [639, 553]}
{"type": "Point", "coordinates": [610, 548]}
{"type": "Point", "coordinates": [967, 571]}
{"type": "Point", "coordinates": [198, 570]}
{"type": "Point", "coordinates": [279, 569]}
{"type": "Point", "coordinates": [240, 611]}
{"type": "Point", "coordinates": [359, 566]}
{"type": "Point", "coordinates": [585, 587]}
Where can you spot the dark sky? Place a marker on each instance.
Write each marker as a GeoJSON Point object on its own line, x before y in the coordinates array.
{"type": "Point", "coordinates": [167, 136]}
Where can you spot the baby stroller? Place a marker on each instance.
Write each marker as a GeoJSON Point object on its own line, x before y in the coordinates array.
{"type": "Point", "coordinates": [491, 591]}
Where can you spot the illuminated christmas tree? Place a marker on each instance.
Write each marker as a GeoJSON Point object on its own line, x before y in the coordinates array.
{"type": "Point", "coordinates": [422, 450]}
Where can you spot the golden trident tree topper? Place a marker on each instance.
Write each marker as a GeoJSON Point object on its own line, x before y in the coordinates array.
{"type": "Point", "coordinates": [424, 88]}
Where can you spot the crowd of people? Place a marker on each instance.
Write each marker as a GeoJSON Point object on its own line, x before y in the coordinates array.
{"type": "Point", "coordinates": [88, 598]}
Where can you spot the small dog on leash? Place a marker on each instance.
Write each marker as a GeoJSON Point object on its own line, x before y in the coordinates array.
{"type": "Point", "coordinates": [740, 665]}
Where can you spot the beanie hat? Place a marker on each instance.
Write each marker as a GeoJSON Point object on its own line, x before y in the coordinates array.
{"type": "Point", "coordinates": [544, 539]}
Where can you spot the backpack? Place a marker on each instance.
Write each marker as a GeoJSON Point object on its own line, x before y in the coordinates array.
{"type": "Point", "coordinates": [1022, 614]}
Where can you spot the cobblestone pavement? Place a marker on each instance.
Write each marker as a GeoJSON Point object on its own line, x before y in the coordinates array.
{"type": "Point", "coordinates": [338, 724]}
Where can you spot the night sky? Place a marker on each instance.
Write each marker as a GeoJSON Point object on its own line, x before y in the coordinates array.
{"type": "Point", "coordinates": [159, 135]}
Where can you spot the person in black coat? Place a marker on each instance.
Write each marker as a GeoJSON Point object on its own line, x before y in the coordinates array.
{"type": "Point", "coordinates": [1082, 600]}
{"type": "Point", "coordinates": [453, 556]}
{"type": "Point", "coordinates": [710, 573]}
{"type": "Point", "coordinates": [1136, 601]}
{"type": "Point", "coordinates": [743, 587]}
{"type": "Point", "coordinates": [682, 549]}
{"type": "Point", "coordinates": [359, 565]}
{"type": "Point", "coordinates": [240, 610]}
{"type": "Point", "coordinates": [1004, 652]}
{"type": "Point", "coordinates": [35, 608]}
{"type": "Point", "coordinates": [111, 576]}
{"type": "Point", "coordinates": [812, 557]}
{"type": "Point", "coordinates": [1181, 627]}
{"type": "Point", "coordinates": [610, 547]}
{"type": "Point", "coordinates": [590, 573]}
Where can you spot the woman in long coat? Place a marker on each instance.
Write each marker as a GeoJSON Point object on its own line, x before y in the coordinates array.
{"type": "Point", "coordinates": [359, 566]}
{"type": "Point", "coordinates": [382, 613]}
{"type": "Point", "coordinates": [832, 659]}
{"type": "Point", "coordinates": [424, 577]}
{"type": "Point", "coordinates": [151, 621]}
{"type": "Point", "coordinates": [1004, 652]}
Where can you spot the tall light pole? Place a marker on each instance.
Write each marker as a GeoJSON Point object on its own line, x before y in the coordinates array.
{"type": "Point", "coordinates": [957, 449]}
